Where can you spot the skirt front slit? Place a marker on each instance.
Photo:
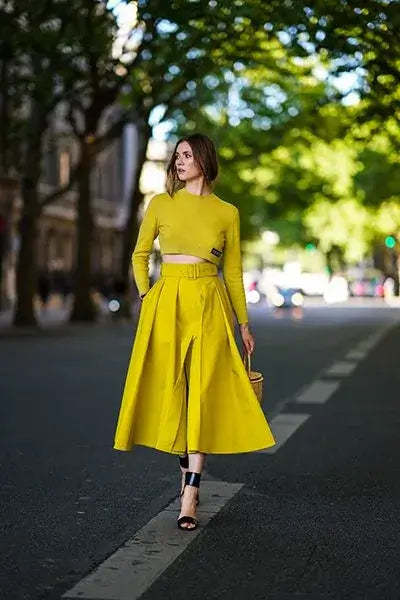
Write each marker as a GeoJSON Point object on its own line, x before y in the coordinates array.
{"type": "Point", "coordinates": [186, 387]}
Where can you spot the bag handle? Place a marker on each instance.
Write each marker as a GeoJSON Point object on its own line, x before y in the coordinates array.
{"type": "Point", "coordinates": [247, 361]}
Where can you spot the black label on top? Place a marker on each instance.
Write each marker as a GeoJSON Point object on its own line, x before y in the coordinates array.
{"type": "Point", "coordinates": [216, 252]}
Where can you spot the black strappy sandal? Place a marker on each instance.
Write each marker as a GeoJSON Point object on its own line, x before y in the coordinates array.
{"type": "Point", "coordinates": [184, 464]}
{"type": "Point", "coordinates": [194, 480]}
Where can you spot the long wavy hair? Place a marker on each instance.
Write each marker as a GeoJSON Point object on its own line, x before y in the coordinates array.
{"type": "Point", "coordinates": [204, 155]}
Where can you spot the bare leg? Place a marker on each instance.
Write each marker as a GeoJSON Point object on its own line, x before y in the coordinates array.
{"type": "Point", "coordinates": [189, 497]}
{"type": "Point", "coordinates": [190, 493]}
{"type": "Point", "coordinates": [196, 465]}
{"type": "Point", "coordinates": [183, 471]}
{"type": "Point", "coordinates": [186, 369]}
{"type": "Point", "coordinates": [196, 462]}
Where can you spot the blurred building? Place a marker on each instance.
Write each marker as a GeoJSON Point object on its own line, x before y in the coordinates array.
{"type": "Point", "coordinates": [111, 186]}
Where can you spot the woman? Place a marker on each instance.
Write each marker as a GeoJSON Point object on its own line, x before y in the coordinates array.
{"type": "Point", "coordinates": [187, 391]}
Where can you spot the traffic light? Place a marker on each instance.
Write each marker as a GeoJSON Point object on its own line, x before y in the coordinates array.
{"type": "Point", "coordinates": [310, 247]}
{"type": "Point", "coordinates": [390, 241]}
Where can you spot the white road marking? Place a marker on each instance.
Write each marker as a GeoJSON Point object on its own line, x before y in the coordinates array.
{"type": "Point", "coordinates": [366, 345]}
{"type": "Point", "coordinates": [356, 354]}
{"type": "Point", "coordinates": [283, 427]}
{"type": "Point", "coordinates": [341, 368]}
{"type": "Point", "coordinates": [127, 573]}
{"type": "Point", "coordinates": [373, 339]}
{"type": "Point", "coordinates": [363, 348]}
{"type": "Point", "coordinates": [318, 392]}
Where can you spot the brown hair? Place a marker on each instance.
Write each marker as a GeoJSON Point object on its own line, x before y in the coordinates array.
{"type": "Point", "coordinates": [205, 156]}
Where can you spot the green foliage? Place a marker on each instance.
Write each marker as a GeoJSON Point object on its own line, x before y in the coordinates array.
{"type": "Point", "coordinates": [260, 77]}
{"type": "Point", "coordinates": [362, 39]}
{"type": "Point", "coordinates": [378, 176]}
{"type": "Point", "coordinates": [344, 225]}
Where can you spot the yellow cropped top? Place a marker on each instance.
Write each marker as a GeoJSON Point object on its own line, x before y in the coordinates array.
{"type": "Point", "coordinates": [203, 226]}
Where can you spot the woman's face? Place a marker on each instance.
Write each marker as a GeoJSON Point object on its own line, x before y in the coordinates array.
{"type": "Point", "coordinates": [185, 165]}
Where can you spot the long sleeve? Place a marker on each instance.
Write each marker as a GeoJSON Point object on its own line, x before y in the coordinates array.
{"type": "Point", "coordinates": [232, 270]}
{"type": "Point", "coordinates": [148, 231]}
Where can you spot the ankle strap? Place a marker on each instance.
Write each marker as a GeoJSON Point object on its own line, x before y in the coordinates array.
{"type": "Point", "coordinates": [192, 479]}
{"type": "Point", "coordinates": [184, 461]}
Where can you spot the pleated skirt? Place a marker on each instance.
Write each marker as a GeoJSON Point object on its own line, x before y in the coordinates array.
{"type": "Point", "coordinates": [186, 388]}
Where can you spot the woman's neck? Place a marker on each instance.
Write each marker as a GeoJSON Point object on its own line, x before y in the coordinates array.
{"type": "Point", "coordinates": [197, 186]}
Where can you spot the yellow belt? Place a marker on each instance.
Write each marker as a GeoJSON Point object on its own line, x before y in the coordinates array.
{"type": "Point", "coordinates": [189, 270]}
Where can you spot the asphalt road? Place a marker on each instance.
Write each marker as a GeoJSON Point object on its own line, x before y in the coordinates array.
{"type": "Point", "coordinates": [317, 519]}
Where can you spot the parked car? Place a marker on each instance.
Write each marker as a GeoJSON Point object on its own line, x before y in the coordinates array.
{"type": "Point", "coordinates": [337, 290]}
{"type": "Point", "coordinates": [367, 286]}
{"type": "Point", "coordinates": [251, 286]}
{"type": "Point", "coordinates": [281, 297]}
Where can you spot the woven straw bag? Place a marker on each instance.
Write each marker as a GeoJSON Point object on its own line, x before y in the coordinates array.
{"type": "Point", "coordinates": [256, 378]}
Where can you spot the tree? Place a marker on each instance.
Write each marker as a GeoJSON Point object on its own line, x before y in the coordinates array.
{"type": "Point", "coordinates": [65, 62]}
{"type": "Point", "coordinates": [186, 53]}
{"type": "Point", "coordinates": [94, 80]}
{"type": "Point", "coordinates": [361, 39]}
{"type": "Point", "coordinates": [262, 133]}
{"type": "Point", "coordinates": [32, 54]}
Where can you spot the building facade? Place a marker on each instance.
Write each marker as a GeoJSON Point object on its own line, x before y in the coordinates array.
{"type": "Point", "coordinates": [111, 184]}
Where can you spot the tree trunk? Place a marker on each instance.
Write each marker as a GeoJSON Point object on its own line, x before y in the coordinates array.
{"type": "Point", "coordinates": [132, 225]}
{"type": "Point", "coordinates": [4, 118]}
{"type": "Point", "coordinates": [84, 308]}
{"type": "Point", "coordinates": [396, 273]}
{"type": "Point", "coordinates": [26, 276]}
{"type": "Point", "coordinates": [335, 260]}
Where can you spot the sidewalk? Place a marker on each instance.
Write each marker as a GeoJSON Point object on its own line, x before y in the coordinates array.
{"type": "Point", "coordinates": [50, 317]}
{"type": "Point", "coordinates": [54, 317]}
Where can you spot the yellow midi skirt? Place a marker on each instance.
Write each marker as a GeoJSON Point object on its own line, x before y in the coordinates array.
{"type": "Point", "coordinates": [186, 388]}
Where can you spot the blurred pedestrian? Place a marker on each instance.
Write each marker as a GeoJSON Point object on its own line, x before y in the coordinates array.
{"type": "Point", "coordinates": [187, 391]}
{"type": "Point", "coordinates": [66, 288]}
{"type": "Point", "coordinates": [43, 289]}
{"type": "Point", "coordinates": [62, 285]}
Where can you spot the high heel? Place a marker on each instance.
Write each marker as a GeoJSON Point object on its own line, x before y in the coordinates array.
{"type": "Point", "coordinates": [184, 464]}
{"type": "Point", "coordinates": [192, 479]}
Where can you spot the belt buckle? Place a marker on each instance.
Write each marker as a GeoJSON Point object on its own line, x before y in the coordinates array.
{"type": "Point", "coordinates": [191, 271]}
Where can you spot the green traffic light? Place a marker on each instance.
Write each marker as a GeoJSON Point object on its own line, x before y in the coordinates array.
{"type": "Point", "coordinates": [310, 246]}
{"type": "Point", "coordinates": [390, 242]}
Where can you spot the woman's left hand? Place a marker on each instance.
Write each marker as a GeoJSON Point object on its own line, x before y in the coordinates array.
{"type": "Point", "coordinates": [247, 338]}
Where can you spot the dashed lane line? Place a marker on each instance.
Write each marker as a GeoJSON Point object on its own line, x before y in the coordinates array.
{"type": "Point", "coordinates": [373, 339]}
{"type": "Point", "coordinates": [318, 392]}
{"type": "Point", "coordinates": [341, 368]}
{"type": "Point", "coordinates": [130, 571]}
{"type": "Point", "coordinates": [356, 354]}
{"type": "Point", "coordinates": [283, 427]}
{"type": "Point", "coordinates": [367, 345]}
